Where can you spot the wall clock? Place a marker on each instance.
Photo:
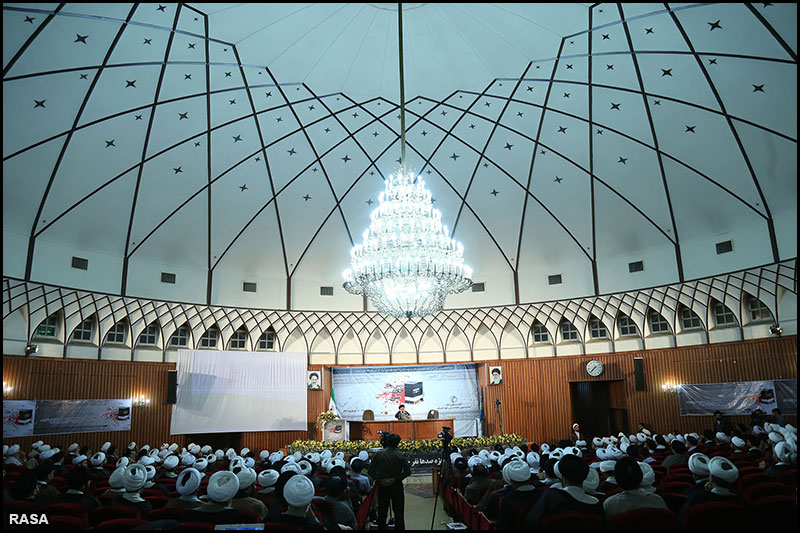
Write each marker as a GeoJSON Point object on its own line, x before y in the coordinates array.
{"type": "Point", "coordinates": [594, 368]}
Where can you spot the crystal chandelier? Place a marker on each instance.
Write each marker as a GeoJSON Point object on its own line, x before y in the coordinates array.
{"type": "Point", "coordinates": [408, 263]}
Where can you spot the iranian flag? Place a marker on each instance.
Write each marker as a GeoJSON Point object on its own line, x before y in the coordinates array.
{"type": "Point", "coordinates": [332, 406]}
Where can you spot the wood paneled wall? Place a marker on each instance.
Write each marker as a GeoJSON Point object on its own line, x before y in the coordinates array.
{"type": "Point", "coordinates": [535, 393]}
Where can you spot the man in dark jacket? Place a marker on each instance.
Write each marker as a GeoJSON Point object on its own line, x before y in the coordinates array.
{"type": "Point", "coordinates": [389, 468]}
{"type": "Point", "coordinates": [569, 499]}
{"type": "Point", "coordinates": [79, 482]}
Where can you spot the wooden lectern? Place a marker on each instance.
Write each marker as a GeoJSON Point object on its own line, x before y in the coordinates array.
{"type": "Point", "coordinates": [407, 429]}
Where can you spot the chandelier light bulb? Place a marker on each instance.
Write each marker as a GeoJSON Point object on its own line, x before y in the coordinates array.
{"type": "Point", "coordinates": [408, 263]}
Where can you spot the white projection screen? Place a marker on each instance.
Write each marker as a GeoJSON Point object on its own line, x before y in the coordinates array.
{"type": "Point", "coordinates": [240, 391]}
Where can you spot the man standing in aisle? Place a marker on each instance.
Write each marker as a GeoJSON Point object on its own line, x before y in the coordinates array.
{"type": "Point", "coordinates": [389, 468]}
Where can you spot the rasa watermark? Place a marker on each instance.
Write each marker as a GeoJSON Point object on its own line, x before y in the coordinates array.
{"type": "Point", "coordinates": [27, 519]}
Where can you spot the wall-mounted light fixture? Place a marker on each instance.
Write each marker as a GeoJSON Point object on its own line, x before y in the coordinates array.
{"type": "Point", "coordinates": [141, 401]}
{"type": "Point", "coordinates": [776, 329]}
{"type": "Point", "coordinates": [31, 349]}
{"type": "Point", "coordinates": [7, 389]}
{"type": "Point", "coordinates": [670, 388]}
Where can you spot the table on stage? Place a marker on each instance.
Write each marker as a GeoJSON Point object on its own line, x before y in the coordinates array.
{"type": "Point", "coordinates": [407, 429]}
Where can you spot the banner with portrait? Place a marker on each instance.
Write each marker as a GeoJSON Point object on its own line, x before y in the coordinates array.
{"type": "Point", "coordinates": [444, 391]}
{"type": "Point", "coordinates": [737, 398]}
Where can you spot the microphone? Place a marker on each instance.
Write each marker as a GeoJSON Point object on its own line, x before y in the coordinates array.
{"type": "Point", "coordinates": [497, 402]}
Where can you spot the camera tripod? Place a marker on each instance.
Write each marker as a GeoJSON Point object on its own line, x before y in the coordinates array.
{"type": "Point", "coordinates": [446, 438]}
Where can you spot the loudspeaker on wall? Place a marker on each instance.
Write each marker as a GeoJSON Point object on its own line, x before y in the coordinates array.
{"type": "Point", "coordinates": [638, 373]}
{"type": "Point", "coordinates": [172, 386]}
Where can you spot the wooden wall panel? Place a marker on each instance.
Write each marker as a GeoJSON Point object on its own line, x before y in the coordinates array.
{"type": "Point", "coordinates": [535, 393]}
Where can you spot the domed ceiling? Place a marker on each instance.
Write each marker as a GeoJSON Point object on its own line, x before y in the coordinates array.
{"type": "Point", "coordinates": [232, 143]}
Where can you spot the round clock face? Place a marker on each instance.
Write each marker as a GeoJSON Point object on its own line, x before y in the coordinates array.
{"type": "Point", "coordinates": [594, 368]}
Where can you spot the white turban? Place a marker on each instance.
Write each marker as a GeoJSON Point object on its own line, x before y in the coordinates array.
{"type": "Point", "coordinates": [680, 438]}
{"type": "Point", "coordinates": [146, 447]}
{"type": "Point", "coordinates": [648, 475]}
{"type": "Point", "coordinates": [274, 457]}
{"type": "Point", "coordinates": [151, 471]}
{"type": "Point", "coordinates": [517, 471]}
{"type": "Point", "coordinates": [115, 480]}
{"type": "Point", "coordinates": [472, 462]}
{"type": "Point", "coordinates": [775, 437]}
{"type": "Point", "coordinates": [326, 454]}
{"type": "Point", "coordinates": [263, 455]}
{"type": "Point", "coordinates": [575, 425]}
{"type": "Point", "coordinates": [507, 452]}
{"type": "Point", "coordinates": [544, 448]}
{"type": "Point", "coordinates": [236, 461]}
{"type": "Point", "coordinates": [48, 454]}
{"type": "Point", "coordinates": [607, 466]}
{"type": "Point", "coordinates": [249, 462]}
{"type": "Point", "coordinates": [454, 456]}
{"type": "Point", "coordinates": [78, 460]}
{"type": "Point", "coordinates": [614, 452]}
{"type": "Point", "coordinates": [205, 450]}
{"type": "Point", "coordinates": [171, 462]}
{"type": "Point", "coordinates": [230, 454]}
{"type": "Point", "coordinates": [37, 444]}
{"type": "Point", "coordinates": [247, 476]}
{"type": "Point", "coordinates": [783, 452]}
{"type": "Point", "coordinates": [597, 441]}
{"type": "Point", "coordinates": [267, 478]}
{"type": "Point", "coordinates": [581, 443]}
{"type": "Point", "coordinates": [738, 442]}
{"type": "Point", "coordinates": [223, 486]}
{"type": "Point", "coordinates": [98, 459]}
{"type": "Point", "coordinates": [314, 457]}
{"type": "Point", "coordinates": [722, 437]}
{"type": "Point", "coordinates": [73, 447]}
{"type": "Point", "coordinates": [333, 464]}
{"type": "Point", "coordinates": [201, 464]}
{"type": "Point", "coordinates": [5, 450]}
{"type": "Point", "coordinates": [290, 466]}
{"type": "Point", "coordinates": [624, 446]}
{"type": "Point", "coordinates": [211, 459]}
{"type": "Point", "coordinates": [601, 454]}
{"type": "Point", "coordinates": [698, 465]}
{"type": "Point", "coordinates": [106, 445]}
{"type": "Point", "coordinates": [219, 454]}
{"type": "Point", "coordinates": [123, 462]}
{"type": "Point", "coordinates": [722, 468]}
{"type": "Point", "coordinates": [134, 478]}
{"type": "Point", "coordinates": [298, 491]}
{"type": "Point", "coordinates": [363, 455]}
{"type": "Point", "coordinates": [573, 450]}
{"type": "Point", "coordinates": [188, 481]}
{"type": "Point", "coordinates": [172, 447]}
{"type": "Point", "coordinates": [146, 460]}
{"type": "Point", "coordinates": [533, 459]}
{"type": "Point", "coordinates": [592, 481]}
{"type": "Point", "coordinates": [305, 467]}
{"type": "Point", "coordinates": [188, 460]}
{"type": "Point", "coordinates": [194, 450]}
{"type": "Point", "coordinates": [245, 451]}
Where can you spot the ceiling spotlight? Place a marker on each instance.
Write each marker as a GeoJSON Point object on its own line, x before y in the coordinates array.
{"type": "Point", "coordinates": [775, 329]}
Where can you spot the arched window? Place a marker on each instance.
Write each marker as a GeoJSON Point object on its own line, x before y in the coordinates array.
{"type": "Point", "coordinates": [757, 310]}
{"type": "Point", "coordinates": [48, 328]}
{"type": "Point", "coordinates": [238, 340]}
{"type": "Point", "coordinates": [267, 340]}
{"type": "Point", "coordinates": [658, 324]}
{"type": "Point", "coordinates": [83, 333]}
{"type": "Point", "coordinates": [209, 338]}
{"type": "Point", "coordinates": [627, 327]}
{"type": "Point", "coordinates": [568, 331]}
{"type": "Point", "coordinates": [597, 330]}
{"type": "Point", "coordinates": [149, 336]}
{"type": "Point", "coordinates": [722, 315]}
{"type": "Point", "coordinates": [540, 334]}
{"type": "Point", "coordinates": [180, 338]}
{"type": "Point", "coordinates": [689, 320]}
{"type": "Point", "coordinates": [116, 335]}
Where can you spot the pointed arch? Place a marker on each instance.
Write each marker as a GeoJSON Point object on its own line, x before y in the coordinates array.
{"type": "Point", "coordinates": [377, 349]}
{"type": "Point", "coordinates": [431, 349]}
{"type": "Point", "coordinates": [350, 349]}
{"type": "Point", "coordinates": [323, 351]}
{"type": "Point", "coordinates": [484, 345]}
{"type": "Point", "coordinates": [457, 347]}
{"type": "Point", "coordinates": [512, 345]}
{"type": "Point", "coordinates": [404, 350]}
{"type": "Point", "coordinates": [296, 342]}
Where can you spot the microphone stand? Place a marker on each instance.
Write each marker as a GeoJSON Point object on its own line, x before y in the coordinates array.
{"type": "Point", "coordinates": [499, 415]}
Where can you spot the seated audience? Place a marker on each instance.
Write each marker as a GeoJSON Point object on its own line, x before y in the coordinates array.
{"type": "Point", "coordinates": [478, 484]}
{"type": "Point", "coordinates": [523, 495]}
{"type": "Point", "coordinates": [572, 471]}
{"type": "Point", "coordinates": [629, 477]}
{"type": "Point", "coordinates": [297, 492]}
{"type": "Point", "coordinates": [222, 488]}
{"type": "Point", "coordinates": [79, 482]}
{"type": "Point", "coordinates": [187, 484]}
{"type": "Point", "coordinates": [245, 499]}
{"type": "Point", "coordinates": [133, 479]}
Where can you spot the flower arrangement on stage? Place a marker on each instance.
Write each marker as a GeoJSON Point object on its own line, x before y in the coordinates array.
{"type": "Point", "coordinates": [428, 445]}
{"type": "Point", "coordinates": [325, 416]}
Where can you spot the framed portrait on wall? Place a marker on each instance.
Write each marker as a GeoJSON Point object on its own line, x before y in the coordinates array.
{"type": "Point", "coordinates": [495, 375]}
{"type": "Point", "coordinates": [314, 380]}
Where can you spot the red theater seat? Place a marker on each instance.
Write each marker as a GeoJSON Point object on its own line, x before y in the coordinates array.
{"type": "Point", "coordinates": [677, 487]}
{"type": "Point", "coordinates": [112, 512]}
{"type": "Point", "coordinates": [749, 480]}
{"type": "Point", "coordinates": [780, 512]}
{"type": "Point", "coordinates": [646, 519]}
{"type": "Point", "coordinates": [572, 521]}
{"type": "Point", "coordinates": [196, 525]}
{"type": "Point", "coordinates": [674, 501]}
{"type": "Point", "coordinates": [121, 523]}
{"type": "Point", "coordinates": [715, 515]}
{"type": "Point", "coordinates": [166, 513]}
{"type": "Point", "coordinates": [67, 509]}
{"type": "Point", "coordinates": [65, 522]}
{"type": "Point", "coordinates": [764, 490]}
